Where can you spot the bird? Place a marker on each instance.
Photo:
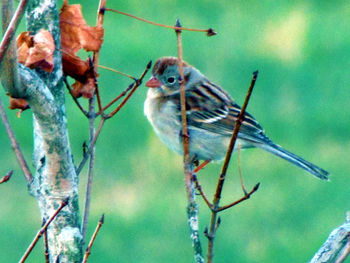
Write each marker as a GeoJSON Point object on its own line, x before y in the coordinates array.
{"type": "Point", "coordinates": [211, 116]}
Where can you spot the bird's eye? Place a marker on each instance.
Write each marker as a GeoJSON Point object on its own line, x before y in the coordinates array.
{"type": "Point", "coordinates": [171, 80]}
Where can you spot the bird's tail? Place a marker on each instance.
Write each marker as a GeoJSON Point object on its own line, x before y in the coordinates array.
{"type": "Point", "coordinates": [294, 159]}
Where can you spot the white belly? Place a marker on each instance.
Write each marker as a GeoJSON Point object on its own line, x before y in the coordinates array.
{"type": "Point", "coordinates": [164, 119]}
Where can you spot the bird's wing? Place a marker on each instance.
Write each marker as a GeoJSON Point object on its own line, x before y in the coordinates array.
{"type": "Point", "coordinates": [216, 112]}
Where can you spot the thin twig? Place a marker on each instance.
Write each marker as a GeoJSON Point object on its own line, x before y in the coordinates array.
{"type": "Point", "coordinates": [245, 197]}
{"type": "Point", "coordinates": [42, 230]}
{"type": "Point", "coordinates": [90, 170]}
{"type": "Point", "coordinates": [124, 92]}
{"type": "Point", "coordinates": [92, 117]}
{"type": "Point", "coordinates": [105, 117]}
{"type": "Point", "coordinates": [74, 98]}
{"type": "Point", "coordinates": [99, 23]}
{"type": "Point", "coordinates": [11, 29]}
{"type": "Point", "coordinates": [88, 250]}
{"type": "Point", "coordinates": [6, 177]}
{"type": "Point", "coordinates": [9, 69]}
{"type": "Point", "coordinates": [118, 72]}
{"type": "Point", "coordinates": [209, 31]}
{"type": "Point", "coordinates": [15, 146]}
{"type": "Point", "coordinates": [135, 86]}
{"type": "Point", "coordinates": [199, 188]}
{"type": "Point", "coordinates": [240, 171]}
{"type": "Point", "coordinates": [46, 244]}
{"type": "Point", "coordinates": [192, 207]}
{"type": "Point", "coordinates": [221, 180]}
{"type": "Point", "coordinates": [91, 145]}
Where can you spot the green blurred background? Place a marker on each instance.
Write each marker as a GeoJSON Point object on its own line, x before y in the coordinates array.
{"type": "Point", "coordinates": [301, 49]}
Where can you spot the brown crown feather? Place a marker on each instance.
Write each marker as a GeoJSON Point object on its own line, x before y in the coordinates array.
{"type": "Point", "coordinates": [162, 63]}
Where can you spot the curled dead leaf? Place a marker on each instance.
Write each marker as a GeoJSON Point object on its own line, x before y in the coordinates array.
{"type": "Point", "coordinates": [36, 51]}
{"type": "Point", "coordinates": [76, 33]}
{"type": "Point", "coordinates": [20, 104]}
{"type": "Point", "coordinates": [86, 89]}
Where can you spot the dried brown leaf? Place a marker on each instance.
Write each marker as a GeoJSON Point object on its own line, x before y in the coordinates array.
{"type": "Point", "coordinates": [36, 51]}
{"type": "Point", "coordinates": [18, 104]}
{"type": "Point", "coordinates": [75, 33]}
{"type": "Point", "coordinates": [86, 89]}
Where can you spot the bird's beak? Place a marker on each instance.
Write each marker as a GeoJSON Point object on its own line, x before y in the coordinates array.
{"type": "Point", "coordinates": [153, 82]}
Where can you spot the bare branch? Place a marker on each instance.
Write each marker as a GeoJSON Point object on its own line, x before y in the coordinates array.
{"type": "Point", "coordinates": [92, 117]}
{"type": "Point", "coordinates": [10, 32]}
{"type": "Point", "coordinates": [199, 188]}
{"type": "Point", "coordinates": [221, 180]}
{"type": "Point", "coordinates": [209, 31]}
{"type": "Point", "coordinates": [15, 146]}
{"type": "Point", "coordinates": [88, 250]}
{"type": "Point", "coordinates": [9, 69]}
{"type": "Point", "coordinates": [118, 72]}
{"type": "Point", "coordinates": [135, 86]}
{"type": "Point", "coordinates": [245, 197]}
{"type": "Point", "coordinates": [124, 92]}
{"type": "Point", "coordinates": [43, 230]}
{"type": "Point", "coordinates": [192, 207]}
{"type": "Point", "coordinates": [46, 244]}
{"type": "Point", "coordinates": [74, 98]}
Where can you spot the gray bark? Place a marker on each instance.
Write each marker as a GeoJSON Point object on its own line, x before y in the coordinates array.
{"type": "Point", "coordinates": [55, 177]}
{"type": "Point", "coordinates": [333, 247]}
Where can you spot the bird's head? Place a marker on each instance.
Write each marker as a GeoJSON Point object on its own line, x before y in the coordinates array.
{"type": "Point", "coordinates": [166, 76]}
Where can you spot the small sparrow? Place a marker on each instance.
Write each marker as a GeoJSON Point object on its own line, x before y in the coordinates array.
{"type": "Point", "coordinates": [211, 115]}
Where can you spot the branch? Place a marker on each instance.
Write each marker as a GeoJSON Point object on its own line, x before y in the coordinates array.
{"type": "Point", "coordinates": [124, 92]}
{"type": "Point", "coordinates": [92, 117]}
{"type": "Point", "coordinates": [106, 117]}
{"type": "Point", "coordinates": [91, 168]}
{"type": "Point", "coordinates": [15, 146]}
{"type": "Point", "coordinates": [88, 250]}
{"type": "Point", "coordinates": [221, 180]}
{"type": "Point", "coordinates": [192, 207]}
{"type": "Point", "coordinates": [118, 72]}
{"type": "Point", "coordinates": [135, 86]}
{"type": "Point", "coordinates": [43, 230]}
{"type": "Point", "coordinates": [9, 71]}
{"type": "Point", "coordinates": [6, 39]}
{"type": "Point", "coordinates": [46, 244]}
{"type": "Point", "coordinates": [336, 247]}
{"type": "Point", "coordinates": [245, 197]}
{"type": "Point", "coordinates": [73, 97]}
{"type": "Point", "coordinates": [6, 177]}
{"type": "Point", "coordinates": [209, 31]}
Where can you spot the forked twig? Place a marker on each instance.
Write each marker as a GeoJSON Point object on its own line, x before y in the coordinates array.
{"type": "Point", "coordinates": [106, 117]}
{"type": "Point", "coordinates": [122, 94]}
{"type": "Point", "coordinates": [192, 207]}
{"type": "Point", "coordinates": [209, 31]}
{"type": "Point", "coordinates": [88, 250]}
{"type": "Point", "coordinates": [6, 177]}
{"type": "Point", "coordinates": [245, 197]}
{"type": "Point", "coordinates": [42, 230]}
{"type": "Point", "coordinates": [221, 180]}
{"type": "Point", "coordinates": [135, 86]}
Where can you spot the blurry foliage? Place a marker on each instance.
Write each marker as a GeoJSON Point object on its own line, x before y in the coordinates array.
{"type": "Point", "coordinates": [301, 99]}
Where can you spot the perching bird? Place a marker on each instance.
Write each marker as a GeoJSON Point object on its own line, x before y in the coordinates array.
{"type": "Point", "coordinates": [211, 115]}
